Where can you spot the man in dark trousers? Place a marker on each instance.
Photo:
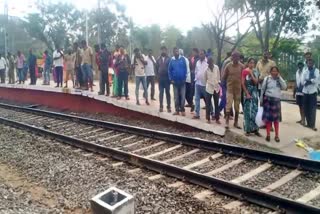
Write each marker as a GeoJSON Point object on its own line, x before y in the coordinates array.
{"type": "Point", "coordinates": [164, 82]}
{"type": "Point", "coordinates": [178, 76]}
{"type": "Point", "coordinates": [105, 59]}
{"type": "Point", "coordinates": [190, 87]}
{"type": "Point", "coordinates": [310, 90]}
{"type": "Point", "coordinates": [32, 67]}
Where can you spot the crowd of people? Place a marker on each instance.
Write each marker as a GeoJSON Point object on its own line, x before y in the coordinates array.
{"type": "Point", "coordinates": [223, 87]}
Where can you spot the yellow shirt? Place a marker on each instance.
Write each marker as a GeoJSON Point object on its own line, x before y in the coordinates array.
{"type": "Point", "coordinates": [86, 55]}
{"type": "Point", "coordinates": [264, 68]}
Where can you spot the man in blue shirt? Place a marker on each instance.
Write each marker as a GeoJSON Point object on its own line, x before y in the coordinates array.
{"type": "Point", "coordinates": [178, 76]}
{"type": "Point", "coordinates": [310, 89]}
{"type": "Point", "coordinates": [32, 67]}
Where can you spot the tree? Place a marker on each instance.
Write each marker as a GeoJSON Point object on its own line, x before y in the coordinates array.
{"type": "Point", "coordinates": [217, 29]}
{"type": "Point", "coordinates": [53, 24]}
{"type": "Point", "coordinates": [272, 18]}
{"type": "Point", "coordinates": [170, 36]}
{"type": "Point", "coordinates": [113, 22]}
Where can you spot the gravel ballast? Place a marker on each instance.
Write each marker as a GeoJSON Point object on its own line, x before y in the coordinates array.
{"type": "Point", "coordinates": [78, 178]}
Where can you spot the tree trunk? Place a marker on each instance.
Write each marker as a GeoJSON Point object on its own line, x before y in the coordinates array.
{"type": "Point", "coordinates": [267, 31]}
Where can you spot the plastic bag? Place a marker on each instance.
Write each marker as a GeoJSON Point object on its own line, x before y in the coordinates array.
{"type": "Point", "coordinates": [259, 120]}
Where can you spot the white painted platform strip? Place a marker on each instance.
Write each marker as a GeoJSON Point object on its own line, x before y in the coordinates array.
{"type": "Point", "coordinates": [225, 167]}
{"type": "Point", "coordinates": [310, 195]}
{"type": "Point", "coordinates": [285, 179]}
{"type": "Point", "coordinates": [149, 147]}
{"type": "Point", "coordinates": [176, 184]}
{"type": "Point", "coordinates": [200, 162]}
{"type": "Point", "coordinates": [182, 156]}
{"type": "Point", "coordinates": [133, 144]}
{"type": "Point", "coordinates": [252, 173]}
{"type": "Point", "coordinates": [164, 151]}
{"type": "Point", "coordinates": [110, 137]}
{"type": "Point", "coordinates": [128, 138]}
{"type": "Point", "coordinates": [203, 195]}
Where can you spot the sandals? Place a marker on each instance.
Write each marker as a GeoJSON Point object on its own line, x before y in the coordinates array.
{"type": "Point", "coordinates": [258, 134]}
{"type": "Point", "coordinates": [277, 139]}
{"type": "Point", "coordinates": [268, 138]}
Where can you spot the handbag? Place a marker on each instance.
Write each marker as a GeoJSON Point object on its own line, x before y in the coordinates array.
{"type": "Point", "coordinates": [259, 122]}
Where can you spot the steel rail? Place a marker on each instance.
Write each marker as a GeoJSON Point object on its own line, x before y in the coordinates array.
{"type": "Point", "coordinates": [279, 159]}
{"type": "Point", "coordinates": [240, 192]}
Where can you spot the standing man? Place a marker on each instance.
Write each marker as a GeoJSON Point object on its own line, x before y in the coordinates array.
{"type": "Point", "coordinates": [212, 78]}
{"type": "Point", "coordinates": [11, 68]}
{"type": "Point", "coordinates": [87, 63]}
{"type": "Point", "coordinates": [189, 80]}
{"type": "Point", "coordinates": [122, 66]}
{"type": "Point", "coordinates": [20, 65]}
{"type": "Point", "coordinates": [310, 91]}
{"type": "Point", "coordinates": [32, 67]}
{"type": "Point", "coordinates": [138, 64]}
{"type": "Point", "coordinates": [200, 84]}
{"type": "Point", "coordinates": [163, 77]}
{"type": "Point", "coordinates": [264, 66]}
{"type": "Point", "coordinates": [3, 67]}
{"type": "Point", "coordinates": [47, 68]}
{"type": "Point", "coordinates": [150, 72]}
{"type": "Point", "coordinates": [297, 92]}
{"type": "Point", "coordinates": [105, 62]}
{"type": "Point", "coordinates": [58, 63]}
{"type": "Point", "coordinates": [190, 85]}
{"type": "Point", "coordinates": [70, 62]}
{"type": "Point", "coordinates": [232, 76]}
{"type": "Point", "coordinates": [178, 76]}
{"type": "Point", "coordinates": [77, 65]}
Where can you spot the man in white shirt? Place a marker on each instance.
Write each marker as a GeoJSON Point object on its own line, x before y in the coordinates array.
{"type": "Point", "coordinates": [212, 78]}
{"type": "Point", "coordinates": [310, 90]}
{"type": "Point", "coordinates": [138, 64]}
{"type": "Point", "coordinates": [297, 93]}
{"type": "Point", "coordinates": [58, 65]}
{"type": "Point", "coordinates": [200, 83]}
{"type": "Point", "coordinates": [3, 66]}
{"type": "Point", "coordinates": [150, 75]}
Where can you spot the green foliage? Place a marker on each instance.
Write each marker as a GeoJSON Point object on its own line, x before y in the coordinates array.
{"type": "Point", "coordinates": [272, 18]}
{"type": "Point", "coordinates": [61, 24]}
{"type": "Point", "coordinates": [54, 24]}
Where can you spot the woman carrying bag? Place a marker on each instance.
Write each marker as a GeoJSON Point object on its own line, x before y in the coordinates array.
{"type": "Point", "coordinates": [271, 101]}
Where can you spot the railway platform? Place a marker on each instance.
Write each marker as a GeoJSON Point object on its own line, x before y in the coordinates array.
{"type": "Point", "coordinates": [47, 95]}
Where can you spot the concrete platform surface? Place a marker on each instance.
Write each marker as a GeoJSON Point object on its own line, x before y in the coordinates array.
{"type": "Point", "coordinates": [289, 129]}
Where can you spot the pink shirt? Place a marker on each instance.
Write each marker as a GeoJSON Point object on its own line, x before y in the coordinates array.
{"type": "Point", "coordinates": [20, 61]}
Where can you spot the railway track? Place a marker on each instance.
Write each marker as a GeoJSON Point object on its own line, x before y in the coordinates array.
{"type": "Point", "coordinates": [278, 182]}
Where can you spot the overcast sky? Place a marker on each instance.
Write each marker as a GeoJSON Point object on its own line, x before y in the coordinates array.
{"type": "Point", "coordinates": [183, 14]}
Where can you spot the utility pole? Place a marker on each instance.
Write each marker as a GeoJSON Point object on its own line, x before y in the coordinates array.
{"type": "Point", "coordinates": [6, 15]}
{"type": "Point", "coordinates": [87, 31]}
{"type": "Point", "coordinates": [99, 23]}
